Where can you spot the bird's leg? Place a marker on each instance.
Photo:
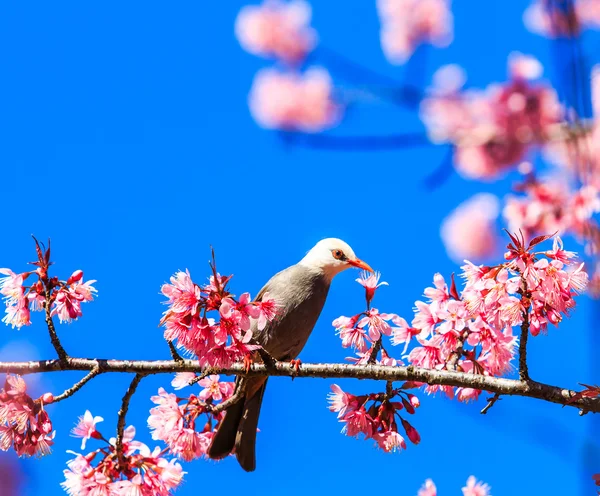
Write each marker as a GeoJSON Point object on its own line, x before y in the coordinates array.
{"type": "Point", "coordinates": [248, 362]}
{"type": "Point", "coordinates": [295, 364]}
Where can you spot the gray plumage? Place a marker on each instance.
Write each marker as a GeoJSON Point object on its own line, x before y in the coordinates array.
{"type": "Point", "coordinates": [300, 292]}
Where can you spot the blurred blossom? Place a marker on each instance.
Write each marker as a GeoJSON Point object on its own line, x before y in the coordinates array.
{"type": "Point", "coordinates": [492, 130]}
{"type": "Point", "coordinates": [405, 24]}
{"type": "Point", "coordinates": [549, 206]}
{"type": "Point", "coordinates": [562, 19]}
{"type": "Point", "coordinates": [276, 29]}
{"type": "Point", "coordinates": [470, 230]}
{"type": "Point", "coordinates": [294, 101]}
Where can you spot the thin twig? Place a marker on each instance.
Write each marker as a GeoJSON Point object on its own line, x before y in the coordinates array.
{"type": "Point", "coordinates": [375, 351]}
{"type": "Point", "coordinates": [123, 413]}
{"type": "Point", "coordinates": [60, 351]}
{"type": "Point", "coordinates": [506, 387]}
{"type": "Point", "coordinates": [457, 354]}
{"type": "Point", "coordinates": [174, 353]}
{"type": "Point", "coordinates": [78, 385]}
{"type": "Point", "coordinates": [491, 402]}
{"type": "Point", "coordinates": [523, 368]}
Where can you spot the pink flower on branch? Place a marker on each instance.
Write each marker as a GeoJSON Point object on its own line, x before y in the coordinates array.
{"type": "Point", "coordinates": [187, 425]}
{"type": "Point", "coordinates": [492, 130]}
{"type": "Point", "coordinates": [294, 102]}
{"type": "Point", "coordinates": [470, 230]}
{"type": "Point", "coordinates": [214, 343]}
{"type": "Point", "coordinates": [215, 389]}
{"type": "Point", "coordinates": [475, 488]}
{"type": "Point", "coordinates": [86, 428]}
{"type": "Point", "coordinates": [370, 281]}
{"type": "Point", "coordinates": [406, 24]}
{"type": "Point", "coordinates": [24, 423]}
{"type": "Point", "coordinates": [142, 472]}
{"type": "Point", "coordinates": [276, 29]}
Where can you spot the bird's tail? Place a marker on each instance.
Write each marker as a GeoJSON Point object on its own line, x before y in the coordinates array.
{"type": "Point", "coordinates": [237, 430]}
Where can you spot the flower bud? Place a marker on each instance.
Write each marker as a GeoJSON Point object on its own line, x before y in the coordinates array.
{"type": "Point", "coordinates": [414, 401]}
{"type": "Point", "coordinates": [47, 398]}
{"type": "Point", "coordinates": [75, 277]}
{"type": "Point", "coordinates": [411, 432]}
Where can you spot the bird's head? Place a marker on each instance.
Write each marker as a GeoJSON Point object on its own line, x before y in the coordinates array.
{"type": "Point", "coordinates": [331, 256]}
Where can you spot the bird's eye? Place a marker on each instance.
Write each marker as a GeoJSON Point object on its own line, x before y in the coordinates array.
{"type": "Point", "coordinates": [338, 254]}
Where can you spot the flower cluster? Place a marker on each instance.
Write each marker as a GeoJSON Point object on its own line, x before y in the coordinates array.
{"type": "Point", "coordinates": [187, 425]}
{"type": "Point", "coordinates": [562, 19]}
{"type": "Point", "coordinates": [287, 98]}
{"type": "Point", "coordinates": [294, 101]}
{"type": "Point", "coordinates": [473, 488]}
{"type": "Point", "coordinates": [215, 343]}
{"type": "Point", "coordinates": [376, 416]}
{"type": "Point", "coordinates": [24, 424]}
{"type": "Point", "coordinates": [405, 24]}
{"type": "Point", "coordinates": [471, 332]}
{"type": "Point", "coordinates": [531, 288]}
{"type": "Point", "coordinates": [276, 29]}
{"type": "Point", "coordinates": [64, 297]}
{"type": "Point", "coordinates": [363, 332]}
{"type": "Point", "coordinates": [139, 472]}
{"type": "Point", "coordinates": [492, 130]}
{"type": "Point", "coordinates": [551, 206]}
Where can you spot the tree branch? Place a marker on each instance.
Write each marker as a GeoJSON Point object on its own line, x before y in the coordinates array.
{"type": "Point", "coordinates": [77, 386]}
{"type": "Point", "coordinates": [509, 387]}
{"type": "Point", "coordinates": [123, 413]}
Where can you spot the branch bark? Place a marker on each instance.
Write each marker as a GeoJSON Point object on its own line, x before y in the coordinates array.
{"type": "Point", "coordinates": [503, 386]}
{"type": "Point", "coordinates": [123, 413]}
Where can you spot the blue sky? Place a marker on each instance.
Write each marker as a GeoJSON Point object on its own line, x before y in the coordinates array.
{"type": "Point", "coordinates": [126, 138]}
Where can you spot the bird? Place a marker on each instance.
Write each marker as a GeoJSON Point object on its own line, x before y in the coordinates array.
{"type": "Point", "coordinates": [300, 292]}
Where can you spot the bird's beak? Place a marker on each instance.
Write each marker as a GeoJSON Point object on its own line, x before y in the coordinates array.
{"type": "Point", "coordinates": [360, 264]}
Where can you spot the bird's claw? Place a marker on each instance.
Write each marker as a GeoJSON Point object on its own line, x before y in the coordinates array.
{"type": "Point", "coordinates": [295, 364]}
{"type": "Point", "coordinates": [247, 362]}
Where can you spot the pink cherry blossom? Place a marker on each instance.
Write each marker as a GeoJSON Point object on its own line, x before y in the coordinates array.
{"type": "Point", "coordinates": [294, 102]}
{"type": "Point", "coordinates": [493, 129]}
{"type": "Point", "coordinates": [24, 424]}
{"type": "Point", "coordinates": [474, 488]}
{"type": "Point", "coordinates": [11, 285]}
{"type": "Point", "coordinates": [268, 307]}
{"type": "Point", "coordinates": [142, 472]}
{"type": "Point", "coordinates": [370, 281]}
{"type": "Point", "coordinates": [241, 311]}
{"type": "Point", "coordinates": [428, 489]}
{"type": "Point", "coordinates": [276, 29]}
{"type": "Point", "coordinates": [182, 379]}
{"type": "Point", "coordinates": [86, 427]}
{"type": "Point", "coordinates": [377, 323]}
{"type": "Point", "coordinates": [214, 389]}
{"type": "Point", "coordinates": [390, 441]}
{"type": "Point", "coordinates": [340, 401]}
{"type": "Point", "coordinates": [67, 303]}
{"type": "Point", "coordinates": [470, 231]}
{"type": "Point", "coordinates": [430, 21]}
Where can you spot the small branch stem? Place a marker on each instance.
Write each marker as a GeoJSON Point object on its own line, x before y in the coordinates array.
{"type": "Point", "coordinates": [375, 351]}
{"type": "Point", "coordinates": [60, 351]}
{"type": "Point", "coordinates": [174, 353]}
{"type": "Point", "coordinates": [77, 386]}
{"type": "Point", "coordinates": [123, 413]}
{"type": "Point", "coordinates": [491, 402]}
